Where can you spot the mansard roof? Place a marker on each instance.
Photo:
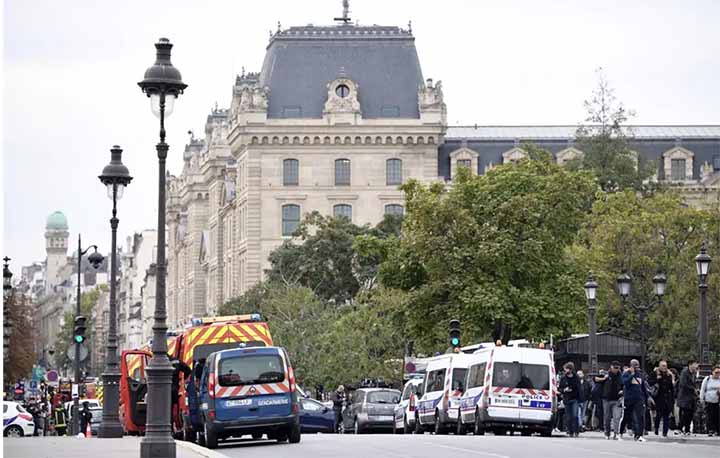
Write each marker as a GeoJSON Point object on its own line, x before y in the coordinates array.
{"type": "Point", "coordinates": [565, 132]}
{"type": "Point", "coordinates": [301, 61]}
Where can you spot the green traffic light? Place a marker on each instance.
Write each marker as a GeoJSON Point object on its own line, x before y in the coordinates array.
{"type": "Point", "coordinates": [455, 341]}
{"type": "Point", "coordinates": [79, 339]}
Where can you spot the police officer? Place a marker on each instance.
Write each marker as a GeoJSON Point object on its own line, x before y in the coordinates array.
{"type": "Point", "coordinates": [85, 417]}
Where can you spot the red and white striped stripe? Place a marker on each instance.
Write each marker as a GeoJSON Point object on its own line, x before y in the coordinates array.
{"type": "Point", "coordinates": [520, 391]}
{"type": "Point", "coordinates": [252, 390]}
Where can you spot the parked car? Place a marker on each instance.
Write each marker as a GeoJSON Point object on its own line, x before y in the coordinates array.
{"type": "Point", "coordinates": [404, 415]}
{"type": "Point", "coordinates": [370, 409]}
{"type": "Point", "coordinates": [316, 417]}
{"type": "Point", "coordinates": [17, 422]}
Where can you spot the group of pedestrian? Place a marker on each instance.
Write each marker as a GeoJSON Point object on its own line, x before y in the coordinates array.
{"type": "Point", "coordinates": [624, 397]}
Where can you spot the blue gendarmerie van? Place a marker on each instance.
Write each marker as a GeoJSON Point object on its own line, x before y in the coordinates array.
{"type": "Point", "coordinates": [249, 391]}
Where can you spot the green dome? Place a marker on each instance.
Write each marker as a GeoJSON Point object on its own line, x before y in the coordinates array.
{"type": "Point", "coordinates": [57, 222]}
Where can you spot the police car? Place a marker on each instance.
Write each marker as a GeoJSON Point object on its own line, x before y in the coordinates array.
{"type": "Point", "coordinates": [249, 391]}
{"type": "Point", "coordinates": [17, 422]}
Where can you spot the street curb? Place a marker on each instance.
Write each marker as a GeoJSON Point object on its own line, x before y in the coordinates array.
{"type": "Point", "coordinates": [202, 451]}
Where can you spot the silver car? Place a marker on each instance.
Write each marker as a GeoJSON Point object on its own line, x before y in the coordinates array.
{"type": "Point", "coordinates": [370, 409]}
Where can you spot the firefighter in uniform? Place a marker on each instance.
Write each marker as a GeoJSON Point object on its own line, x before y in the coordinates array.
{"type": "Point", "coordinates": [60, 419]}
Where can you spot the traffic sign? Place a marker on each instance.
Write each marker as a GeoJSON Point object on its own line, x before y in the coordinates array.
{"type": "Point", "coordinates": [83, 352]}
{"type": "Point", "coordinates": [53, 377]}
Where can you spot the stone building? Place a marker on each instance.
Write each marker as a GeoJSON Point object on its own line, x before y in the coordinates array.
{"type": "Point", "coordinates": [337, 118]}
{"type": "Point", "coordinates": [53, 283]}
{"type": "Point", "coordinates": [132, 307]}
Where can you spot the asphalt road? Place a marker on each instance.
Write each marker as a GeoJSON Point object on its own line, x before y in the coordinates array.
{"type": "Point", "coordinates": [489, 446]}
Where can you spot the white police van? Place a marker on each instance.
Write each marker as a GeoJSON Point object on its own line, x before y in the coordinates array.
{"type": "Point", "coordinates": [437, 409]}
{"type": "Point", "coordinates": [509, 389]}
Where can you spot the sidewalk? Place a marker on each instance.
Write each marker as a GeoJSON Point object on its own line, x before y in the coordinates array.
{"type": "Point", "coordinates": [701, 439]}
{"type": "Point", "coordinates": [71, 447]}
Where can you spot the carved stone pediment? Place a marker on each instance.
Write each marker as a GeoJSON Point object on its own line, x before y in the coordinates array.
{"type": "Point", "coordinates": [342, 97]}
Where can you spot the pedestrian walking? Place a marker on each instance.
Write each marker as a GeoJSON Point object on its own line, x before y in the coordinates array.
{"type": "Point", "coordinates": [60, 419]}
{"type": "Point", "coordinates": [570, 389]}
{"type": "Point", "coordinates": [597, 419]}
{"type": "Point", "coordinates": [338, 399]}
{"type": "Point", "coordinates": [585, 394]}
{"type": "Point", "coordinates": [663, 384]}
{"type": "Point", "coordinates": [611, 394]}
{"type": "Point", "coordinates": [710, 398]}
{"type": "Point", "coordinates": [635, 396]}
{"type": "Point", "coordinates": [85, 417]}
{"type": "Point", "coordinates": [687, 396]}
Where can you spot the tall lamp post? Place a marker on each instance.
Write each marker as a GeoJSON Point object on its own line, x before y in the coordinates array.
{"type": "Point", "coordinates": [116, 177]}
{"type": "Point", "coordinates": [591, 287]}
{"type": "Point", "coordinates": [95, 259]}
{"type": "Point", "coordinates": [163, 84]}
{"type": "Point", "coordinates": [702, 263]}
{"type": "Point", "coordinates": [624, 283]}
{"type": "Point", "coordinates": [7, 293]}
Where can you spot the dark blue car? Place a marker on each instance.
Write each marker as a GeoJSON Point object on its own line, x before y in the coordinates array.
{"type": "Point", "coordinates": [316, 417]}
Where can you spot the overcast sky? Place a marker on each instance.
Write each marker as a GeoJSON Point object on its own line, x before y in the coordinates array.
{"type": "Point", "coordinates": [71, 68]}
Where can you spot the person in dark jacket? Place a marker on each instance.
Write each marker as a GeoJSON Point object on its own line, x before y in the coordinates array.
{"type": "Point", "coordinates": [570, 389]}
{"type": "Point", "coordinates": [338, 398]}
{"type": "Point", "coordinates": [611, 393]}
{"type": "Point", "coordinates": [597, 419]}
{"type": "Point", "coordinates": [85, 417]}
{"type": "Point", "coordinates": [585, 394]}
{"type": "Point", "coordinates": [663, 384]}
{"type": "Point", "coordinates": [635, 395]}
{"type": "Point", "coordinates": [687, 396]}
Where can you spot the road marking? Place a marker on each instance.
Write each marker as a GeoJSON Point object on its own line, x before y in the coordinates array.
{"type": "Point", "coordinates": [477, 452]}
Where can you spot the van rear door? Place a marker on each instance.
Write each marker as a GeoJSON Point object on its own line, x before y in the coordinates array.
{"type": "Point", "coordinates": [504, 401]}
{"type": "Point", "coordinates": [536, 403]}
{"type": "Point", "coordinates": [253, 384]}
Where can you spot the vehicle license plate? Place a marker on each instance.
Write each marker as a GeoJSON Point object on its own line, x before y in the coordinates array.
{"type": "Point", "coordinates": [238, 402]}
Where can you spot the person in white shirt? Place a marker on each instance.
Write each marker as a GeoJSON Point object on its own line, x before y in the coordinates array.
{"type": "Point", "coordinates": [710, 398]}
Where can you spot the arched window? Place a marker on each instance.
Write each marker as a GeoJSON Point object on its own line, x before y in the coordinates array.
{"type": "Point", "coordinates": [343, 210]}
{"type": "Point", "coordinates": [393, 171]}
{"type": "Point", "coordinates": [342, 172]}
{"type": "Point", "coordinates": [394, 209]}
{"type": "Point", "coordinates": [291, 172]}
{"type": "Point", "coordinates": [290, 219]}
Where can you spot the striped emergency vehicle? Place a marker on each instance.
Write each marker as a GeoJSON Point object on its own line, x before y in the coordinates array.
{"type": "Point", "coordinates": [509, 388]}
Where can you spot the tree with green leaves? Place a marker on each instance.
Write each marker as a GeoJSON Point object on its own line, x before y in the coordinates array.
{"type": "Point", "coordinates": [604, 139]}
{"type": "Point", "coordinates": [65, 336]}
{"type": "Point", "coordinates": [644, 235]}
{"type": "Point", "coordinates": [491, 251]}
{"type": "Point", "coordinates": [324, 258]}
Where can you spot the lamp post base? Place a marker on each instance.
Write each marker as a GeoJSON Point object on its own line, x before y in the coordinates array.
{"type": "Point", "coordinates": [157, 447]}
{"type": "Point", "coordinates": [110, 426]}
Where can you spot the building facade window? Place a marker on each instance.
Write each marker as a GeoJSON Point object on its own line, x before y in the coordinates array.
{"type": "Point", "coordinates": [290, 219]}
{"type": "Point", "coordinates": [342, 210]}
{"type": "Point", "coordinates": [394, 209]}
{"type": "Point", "coordinates": [393, 172]}
{"type": "Point", "coordinates": [291, 172]}
{"type": "Point", "coordinates": [342, 172]}
{"type": "Point", "coordinates": [467, 163]}
{"type": "Point", "coordinates": [677, 169]}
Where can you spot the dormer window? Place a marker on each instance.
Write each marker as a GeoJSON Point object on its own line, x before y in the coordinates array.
{"type": "Point", "coordinates": [342, 90]}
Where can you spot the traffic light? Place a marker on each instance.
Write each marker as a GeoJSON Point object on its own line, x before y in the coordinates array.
{"type": "Point", "coordinates": [455, 334]}
{"type": "Point", "coordinates": [79, 336]}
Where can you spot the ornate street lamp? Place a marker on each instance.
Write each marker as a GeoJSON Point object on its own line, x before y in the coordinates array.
{"type": "Point", "coordinates": [95, 259]}
{"type": "Point", "coordinates": [702, 264]}
{"type": "Point", "coordinates": [591, 287]}
{"type": "Point", "coordinates": [624, 283]}
{"type": "Point", "coordinates": [163, 84]}
{"type": "Point", "coordinates": [115, 176]}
